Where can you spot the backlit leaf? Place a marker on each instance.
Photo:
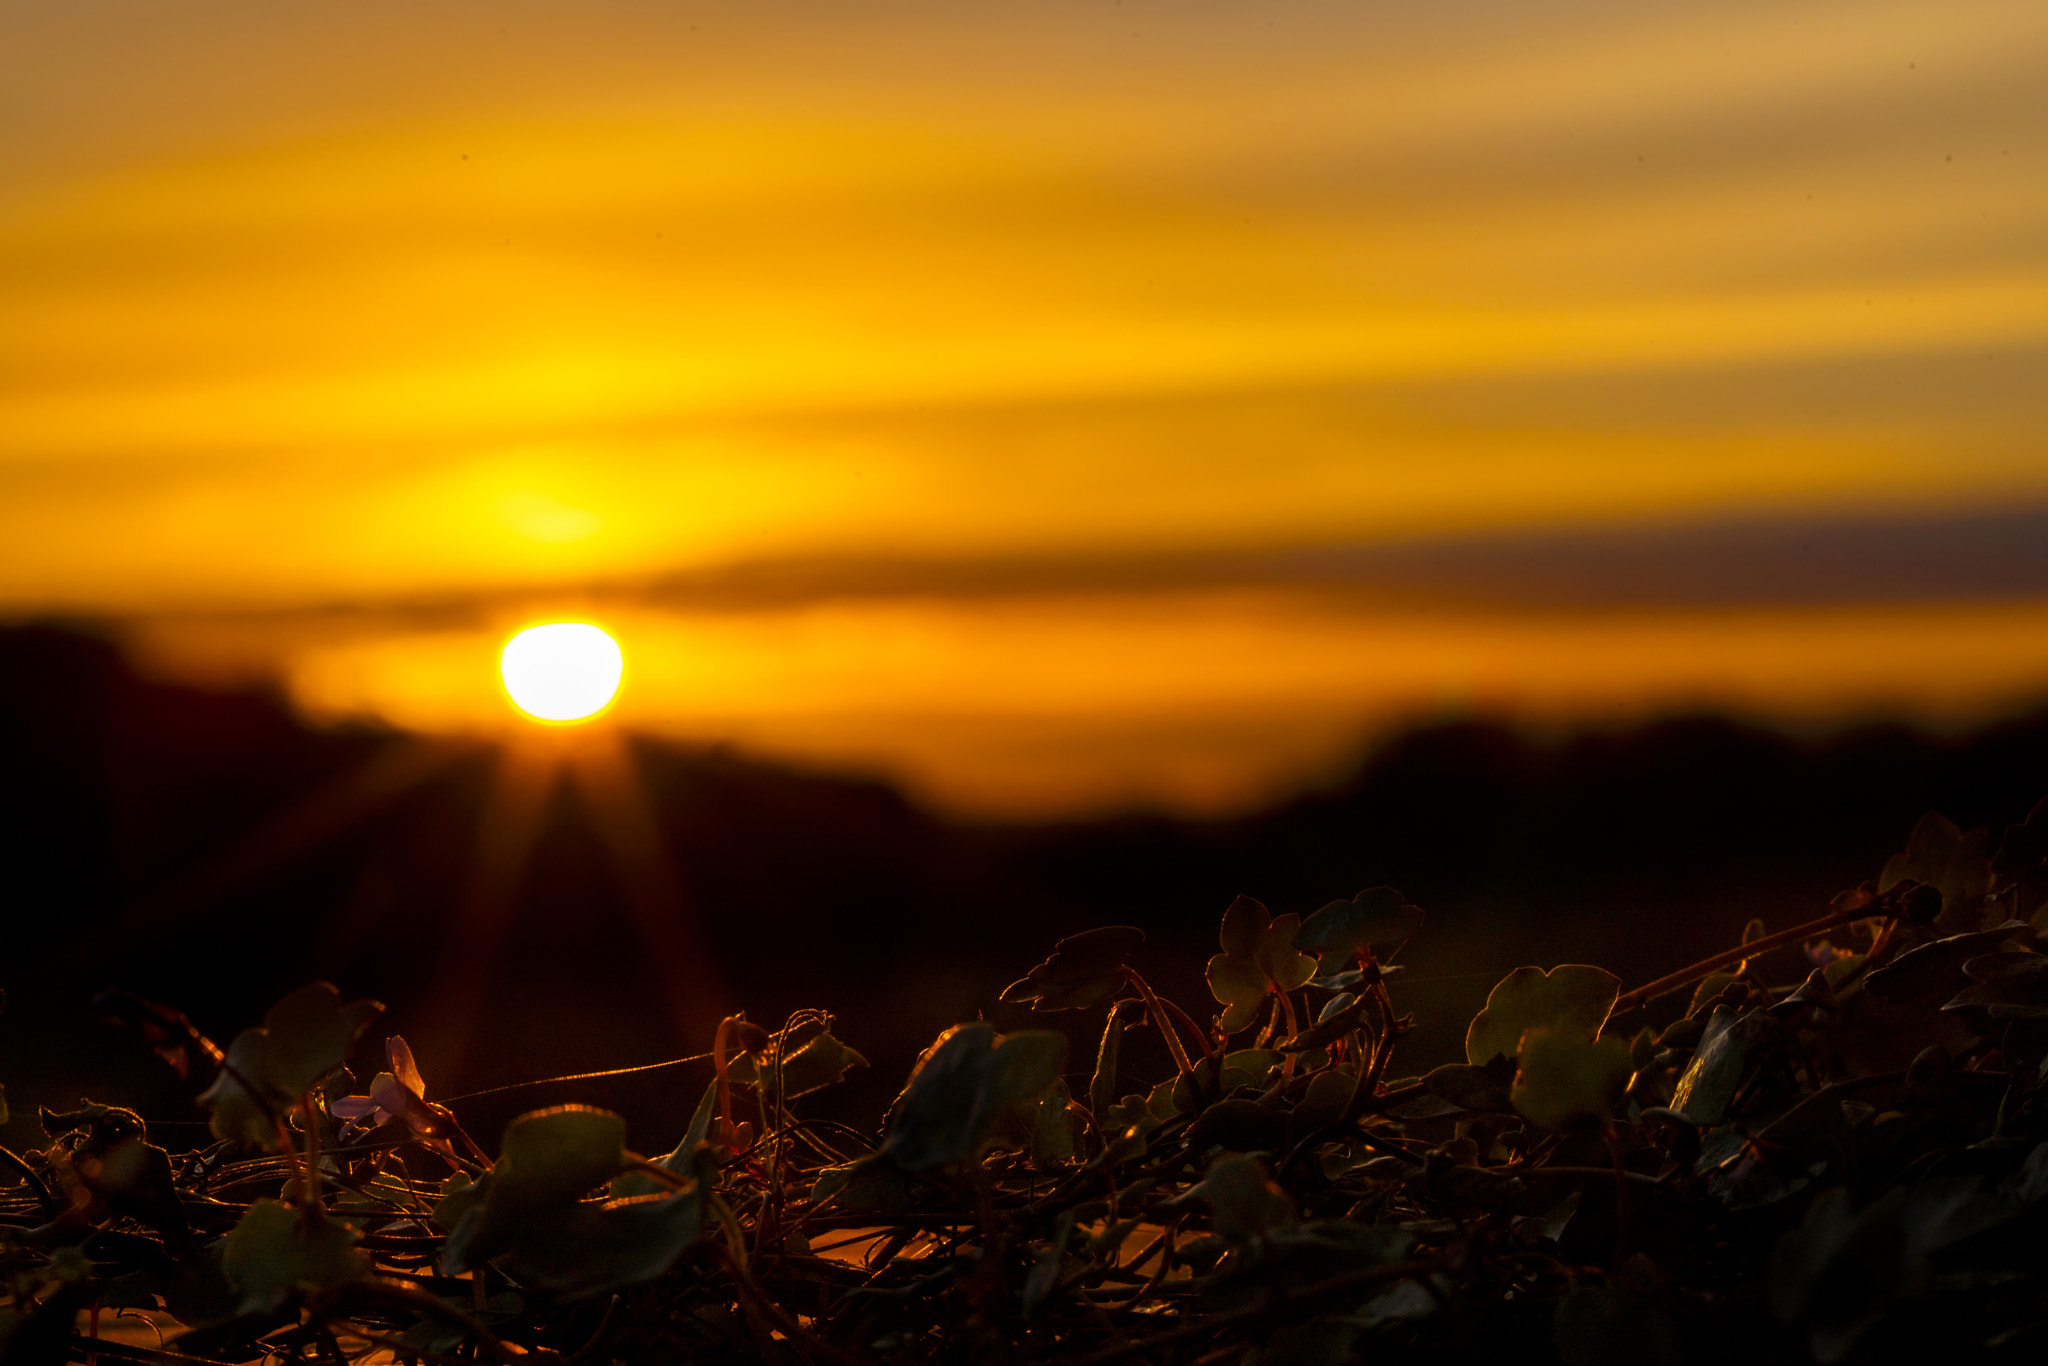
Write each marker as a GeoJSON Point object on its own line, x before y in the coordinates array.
{"type": "Point", "coordinates": [1940, 855]}
{"type": "Point", "coordinates": [1085, 969]}
{"type": "Point", "coordinates": [960, 1087]}
{"type": "Point", "coordinates": [277, 1252]}
{"type": "Point", "coordinates": [1258, 958]}
{"type": "Point", "coordinates": [1378, 918]}
{"type": "Point", "coordinates": [1243, 1200]}
{"type": "Point", "coordinates": [1567, 1081]}
{"type": "Point", "coordinates": [1572, 996]}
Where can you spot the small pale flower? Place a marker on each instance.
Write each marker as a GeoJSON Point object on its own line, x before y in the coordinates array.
{"type": "Point", "coordinates": [397, 1094]}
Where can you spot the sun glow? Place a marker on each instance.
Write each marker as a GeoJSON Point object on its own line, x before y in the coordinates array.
{"type": "Point", "coordinates": [563, 672]}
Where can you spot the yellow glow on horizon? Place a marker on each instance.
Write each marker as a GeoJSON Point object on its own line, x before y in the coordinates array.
{"type": "Point", "coordinates": [562, 672]}
{"type": "Point", "coordinates": [442, 318]}
{"type": "Point", "coordinates": [1199, 702]}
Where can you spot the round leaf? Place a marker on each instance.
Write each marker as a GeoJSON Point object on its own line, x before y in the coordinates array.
{"type": "Point", "coordinates": [556, 1157]}
{"type": "Point", "coordinates": [961, 1086]}
{"type": "Point", "coordinates": [1378, 918]}
{"type": "Point", "coordinates": [1567, 1081]}
{"type": "Point", "coordinates": [276, 1252]}
{"type": "Point", "coordinates": [311, 1033]}
{"type": "Point", "coordinates": [1243, 1200]}
{"type": "Point", "coordinates": [1573, 996]}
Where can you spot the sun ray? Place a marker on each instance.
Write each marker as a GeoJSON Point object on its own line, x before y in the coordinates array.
{"type": "Point", "coordinates": [404, 764]}
{"type": "Point", "coordinates": [516, 801]}
{"type": "Point", "coordinates": [606, 778]}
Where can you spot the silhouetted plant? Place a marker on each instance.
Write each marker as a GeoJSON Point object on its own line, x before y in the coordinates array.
{"type": "Point", "coordinates": [1850, 1164]}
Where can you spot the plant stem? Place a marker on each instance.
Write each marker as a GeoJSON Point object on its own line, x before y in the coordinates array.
{"type": "Point", "coordinates": [725, 1125]}
{"type": "Point", "coordinates": [1293, 1030]}
{"type": "Point", "coordinates": [1159, 1017]}
{"type": "Point", "coordinates": [1686, 976]}
{"type": "Point", "coordinates": [312, 1186]}
{"type": "Point", "coordinates": [433, 1307]}
{"type": "Point", "coordinates": [44, 1199]}
{"type": "Point", "coordinates": [1191, 1025]}
{"type": "Point", "coordinates": [759, 1301]}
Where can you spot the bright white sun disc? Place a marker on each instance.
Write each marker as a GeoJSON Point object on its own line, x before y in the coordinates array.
{"type": "Point", "coordinates": [564, 671]}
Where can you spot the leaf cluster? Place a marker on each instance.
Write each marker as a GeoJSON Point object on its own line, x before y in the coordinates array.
{"type": "Point", "coordinates": [1842, 1160]}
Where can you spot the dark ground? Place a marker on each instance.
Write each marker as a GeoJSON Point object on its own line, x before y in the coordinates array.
{"type": "Point", "coordinates": [122, 801]}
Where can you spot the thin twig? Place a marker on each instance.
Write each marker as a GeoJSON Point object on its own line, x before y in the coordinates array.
{"type": "Point", "coordinates": [392, 1293]}
{"type": "Point", "coordinates": [35, 1183]}
{"type": "Point", "coordinates": [1686, 976]}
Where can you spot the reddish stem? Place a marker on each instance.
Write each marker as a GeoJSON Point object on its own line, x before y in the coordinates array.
{"type": "Point", "coordinates": [1157, 1010]}
{"type": "Point", "coordinates": [1686, 976]}
{"type": "Point", "coordinates": [726, 1128]}
{"type": "Point", "coordinates": [1293, 1029]}
{"type": "Point", "coordinates": [1189, 1023]}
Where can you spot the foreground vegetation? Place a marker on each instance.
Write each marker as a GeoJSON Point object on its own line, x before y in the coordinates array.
{"type": "Point", "coordinates": [1849, 1164]}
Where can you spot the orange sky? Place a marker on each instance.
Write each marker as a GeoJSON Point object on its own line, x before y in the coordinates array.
{"type": "Point", "coordinates": [315, 319]}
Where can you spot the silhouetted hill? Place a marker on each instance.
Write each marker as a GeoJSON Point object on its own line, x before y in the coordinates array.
{"type": "Point", "coordinates": [127, 807]}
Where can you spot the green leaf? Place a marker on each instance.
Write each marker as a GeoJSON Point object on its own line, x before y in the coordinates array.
{"type": "Point", "coordinates": [1329, 1092]}
{"type": "Point", "coordinates": [1241, 987]}
{"type": "Point", "coordinates": [1052, 1139]}
{"type": "Point", "coordinates": [1573, 997]}
{"type": "Point", "coordinates": [1709, 991]}
{"type": "Point", "coordinates": [1940, 855]}
{"type": "Point", "coordinates": [557, 1156]}
{"type": "Point", "coordinates": [1103, 1085]}
{"type": "Point", "coordinates": [277, 1253]}
{"type": "Point", "coordinates": [864, 1187]}
{"type": "Point", "coordinates": [1567, 1081]}
{"type": "Point", "coordinates": [2022, 861]}
{"type": "Point", "coordinates": [1378, 918]}
{"type": "Point", "coordinates": [824, 1060]}
{"type": "Point", "coordinates": [310, 1036]}
{"type": "Point", "coordinates": [1245, 922]}
{"type": "Point", "coordinates": [818, 1062]}
{"type": "Point", "coordinates": [304, 1038]}
{"type": "Point", "coordinates": [1258, 958]}
{"type": "Point", "coordinates": [682, 1158]}
{"type": "Point", "coordinates": [1169, 1098]}
{"type": "Point", "coordinates": [592, 1250]}
{"type": "Point", "coordinates": [2008, 986]}
{"type": "Point", "coordinates": [1243, 1201]}
{"type": "Point", "coordinates": [240, 1114]}
{"type": "Point", "coordinates": [531, 1208]}
{"type": "Point", "coordinates": [959, 1089]}
{"type": "Point", "coordinates": [1127, 1124]}
{"type": "Point", "coordinates": [1245, 1067]}
{"type": "Point", "coordinates": [1045, 1271]}
{"type": "Point", "coordinates": [1718, 1066]}
{"type": "Point", "coordinates": [1085, 969]}
{"type": "Point", "coordinates": [1936, 968]}
{"type": "Point", "coordinates": [550, 1160]}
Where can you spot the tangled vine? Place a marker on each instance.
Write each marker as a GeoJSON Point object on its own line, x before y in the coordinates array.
{"type": "Point", "coordinates": [1850, 1164]}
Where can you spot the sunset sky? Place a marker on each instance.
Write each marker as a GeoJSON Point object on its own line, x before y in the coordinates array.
{"type": "Point", "coordinates": [1051, 406]}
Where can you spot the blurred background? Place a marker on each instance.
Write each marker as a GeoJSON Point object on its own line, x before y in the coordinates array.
{"type": "Point", "coordinates": [1045, 464]}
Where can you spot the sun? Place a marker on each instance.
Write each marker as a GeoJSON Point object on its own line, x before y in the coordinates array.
{"type": "Point", "coordinates": [563, 672]}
